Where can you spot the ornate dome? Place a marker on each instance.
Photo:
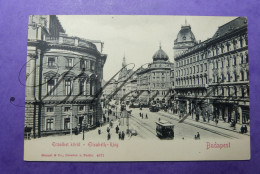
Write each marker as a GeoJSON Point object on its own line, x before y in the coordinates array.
{"type": "Point", "coordinates": [160, 55]}
{"type": "Point", "coordinates": [185, 35]}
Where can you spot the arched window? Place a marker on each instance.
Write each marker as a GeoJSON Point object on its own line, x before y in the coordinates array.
{"type": "Point", "coordinates": [68, 87]}
{"type": "Point", "coordinates": [241, 75]}
{"type": "Point", "coordinates": [50, 87]}
{"type": "Point", "coordinates": [235, 91]}
{"type": "Point", "coordinates": [246, 57]}
{"type": "Point", "coordinates": [235, 76]}
{"type": "Point", "coordinates": [241, 58]}
{"type": "Point", "coordinates": [234, 60]}
{"type": "Point", "coordinates": [242, 92]}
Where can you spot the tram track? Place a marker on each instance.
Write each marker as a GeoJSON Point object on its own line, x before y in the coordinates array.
{"type": "Point", "coordinates": [143, 125]}
{"type": "Point", "coordinates": [201, 127]}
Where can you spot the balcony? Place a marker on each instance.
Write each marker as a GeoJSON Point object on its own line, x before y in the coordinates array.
{"type": "Point", "coordinates": [191, 86]}
{"type": "Point", "coordinates": [63, 39]}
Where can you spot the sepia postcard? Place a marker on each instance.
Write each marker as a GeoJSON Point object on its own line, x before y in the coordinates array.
{"type": "Point", "coordinates": [136, 88]}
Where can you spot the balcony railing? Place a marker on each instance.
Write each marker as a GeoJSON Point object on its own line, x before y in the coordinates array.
{"type": "Point", "coordinates": [73, 41]}
{"type": "Point", "coordinates": [191, 86]}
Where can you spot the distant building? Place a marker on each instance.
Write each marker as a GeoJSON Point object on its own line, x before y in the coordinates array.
{"type": "Point", "coordinates": [212, 77]}
{"type": "Point", "coordinates": [64, 75]}
{"type": "Point", "coordinates": [154, 82]}
{"type": "Point", "coordinates": [109, 88]}
{"type": "Point", "coordinates": [124, 85]}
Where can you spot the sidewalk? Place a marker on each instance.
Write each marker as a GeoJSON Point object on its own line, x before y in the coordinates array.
{"type": "Point", "coordinates": [221, 124]}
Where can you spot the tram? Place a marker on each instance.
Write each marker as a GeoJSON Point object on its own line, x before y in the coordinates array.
{"type": "Point", "coordinates": [154, 108]}
{"type": "Point", "coordinates": [164, 129]}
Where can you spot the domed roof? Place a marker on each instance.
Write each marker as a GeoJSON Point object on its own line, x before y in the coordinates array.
{"type": "Point", "coordinates": [160, 55]}
{"type": "Point", "coordinates": [185, 35]}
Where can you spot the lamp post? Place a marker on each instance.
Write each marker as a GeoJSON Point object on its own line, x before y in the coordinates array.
{"type": "Point", "coordinates": [71, 123]}
{"type": "Point", "coordinates": [84, 126]}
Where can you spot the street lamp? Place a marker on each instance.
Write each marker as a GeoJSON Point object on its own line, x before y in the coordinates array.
{"type": "Point", "coordinates": [71, 124]}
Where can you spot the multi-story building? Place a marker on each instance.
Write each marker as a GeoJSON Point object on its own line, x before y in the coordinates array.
{"type": "Point", "coordinates": [154, 82]}
{"type": "Point", "coordinates": [227, 54]}
{"type": "Point", "coordinates": [212, 77]}
{"type": "Point", "coordinates": [191, 80]}
{"type": "Point", "coordinates": [64, 75]}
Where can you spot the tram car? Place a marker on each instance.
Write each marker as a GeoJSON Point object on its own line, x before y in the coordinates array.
{"type": "Point", "coordinates": [154, 108]}
{"type": "Point", "coordinates": [164, 129]}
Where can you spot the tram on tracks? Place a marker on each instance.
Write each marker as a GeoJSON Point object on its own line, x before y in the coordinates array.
{"type": "Point", "coordinates": [164, 129]}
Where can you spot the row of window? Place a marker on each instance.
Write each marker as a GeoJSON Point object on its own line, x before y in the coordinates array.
{"type": "Point", "coordinates": [84, 64]}
{"type": "Point", "coordinates": [192, 70]}
{"type": "Point", "coordinates": [192, 81]}
{"type": "Point", "coordinates": [243, 59]}
{"type": "Point", "coordinates": [190, 60]}
{"type": "Point", "coordinates": [84, 89]}
{"type": "Point", "coordinates": [228, 46]}
{"type": "Point", "coordinates": [50, 123]}
{"type": "Point", "coordinates": [215, 51]}
{"type": "Point", "coordinates": [231, 91]}
{"type": "Point", "coordinates": [50, 109]}
{"type": "Point", "coordinates": [243, 76]}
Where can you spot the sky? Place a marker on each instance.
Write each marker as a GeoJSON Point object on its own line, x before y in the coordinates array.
{"type": "Point", "coordinates": [137, 37]}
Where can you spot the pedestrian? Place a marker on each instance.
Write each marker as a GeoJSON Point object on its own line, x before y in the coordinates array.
{"type": "Point", "coordinates": [198, 135]}
{"type": "Point", "coordinates": [159, 119]}
{"type": "Point", "coordinates": [99, 131]}
{"type": "Point", "coordinates": [107, 119]}
{"type": "Point", "coordinates": [140, 114]}
{"type": "Point", "coordinates": [119, 135]}
{"type": "Point", "coordinates": [245, 129]}
{"type": "Point", "coordinates": [146, 116]}
{"type": "Point", "coordinates": [123, 135]}
{"type": "Point", "coordinates": [242, 129]}
{"type": "Point", "coordinates": [117, 129]}
{"type": "Point", "coordinates": [108, 130]}
{"type": "Point", "coordinates": [108, 136]}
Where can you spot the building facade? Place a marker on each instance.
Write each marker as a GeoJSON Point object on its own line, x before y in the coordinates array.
{"type": "Point", "coordinates": [64, 76]}
{"type": "Point", "coordinates": [124, 84]}
{"type": "Point", "coordinates": [229, 72]}
{"type": "Point", "coordinates": [154, 82]}
{"type": "Point", "coordinates": [212, 77]}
